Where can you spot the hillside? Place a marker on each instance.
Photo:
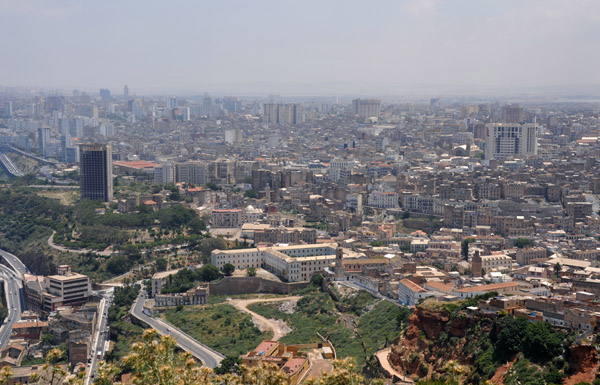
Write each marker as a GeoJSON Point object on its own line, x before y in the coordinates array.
{"type": "Point", "coordinates": [445, 343]}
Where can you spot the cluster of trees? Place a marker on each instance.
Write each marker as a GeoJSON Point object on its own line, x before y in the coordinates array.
{"type": "Point", "coordinates": [186, 279]}
{"type": "Point", "coordinates": [523, 242]}
{"type": "Point", "coordinates": [124, 297]}
{"type": "Point", "coordinates": [537, 340]}
{"type": "Point", "coordinates": [516, 336]}
{"type": "Point", "coordinates": [27, 217]}
{"type": "Point", "coordinates": [173, 217]}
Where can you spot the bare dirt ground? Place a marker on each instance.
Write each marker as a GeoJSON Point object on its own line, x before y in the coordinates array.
{"type": "Point", "coordinates": [278, 327]}
{"type": "Point", "coordinates": [261, 273]}
{"type": "Point", "coordinates": [65, 197]}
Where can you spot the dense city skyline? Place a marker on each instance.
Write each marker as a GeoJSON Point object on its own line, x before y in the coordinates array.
{"type": "Point", "coordinates": [389, 48]}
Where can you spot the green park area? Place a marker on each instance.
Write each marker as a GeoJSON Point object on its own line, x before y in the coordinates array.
{"type": "Point", "coordinates": [357, 323]}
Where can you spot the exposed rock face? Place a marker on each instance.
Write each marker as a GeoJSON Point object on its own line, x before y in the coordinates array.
{"type": "Point", "coordinates": [583, 361]}
{"type": "Point", "coordinates": [431, 322]}
{"type": "Point", "coordinates": [423, 342]}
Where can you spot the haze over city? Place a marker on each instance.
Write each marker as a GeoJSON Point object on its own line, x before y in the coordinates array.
{"type": "Point", "coordinates": [303, 47]}
{"type": "Point", "coordinates": [300, 192]}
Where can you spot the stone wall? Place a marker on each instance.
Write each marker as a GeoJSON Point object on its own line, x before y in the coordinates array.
{"type": "Point", "coordinates": [248, 285]}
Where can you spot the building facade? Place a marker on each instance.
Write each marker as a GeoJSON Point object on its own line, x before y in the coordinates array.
{"type": "Point", "coordinates": [510, 139]}
{"type": "Point", "coordinates": [96, 171]}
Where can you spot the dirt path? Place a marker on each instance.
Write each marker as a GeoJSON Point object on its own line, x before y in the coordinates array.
{"type": "Point", "coordinates": [279, 329]}
{"type": "Point", "coordinates": [106, 252]}
{"type": "Point", "coordinates": [382, 357]}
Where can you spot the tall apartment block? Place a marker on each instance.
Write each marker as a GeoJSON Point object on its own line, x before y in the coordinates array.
{"type": "Point", "coordinates": [95, 162]}
{"type": "Point", "coordinates": [510, 139]}
{"type": "Point", "coordinates": [366, 108]}
{"type": "Point", "coordinates": [283, 113]}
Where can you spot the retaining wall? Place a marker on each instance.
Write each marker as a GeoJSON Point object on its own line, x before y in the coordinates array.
{"type": "Point", "coordinates": [249, 285]}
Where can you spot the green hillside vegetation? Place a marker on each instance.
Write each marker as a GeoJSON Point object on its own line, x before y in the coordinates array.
{"type": "Point", "coordinates": [221, 327]}
{"type": "Point", "coordinates": [489, 343]}
{"type": "Point", "coordinates": [122, 333]}
{"type": "Point", "coordinates": [186, 279]}
{"type": "Point", "coordinates": [363, 326]}
{"type": "Point", "coordinates": [29, 219]}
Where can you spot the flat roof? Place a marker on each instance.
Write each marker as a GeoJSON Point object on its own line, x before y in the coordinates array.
{"type": "Point", "coordinates": [490, 287]}
{"type": "Point", "coordinates": [67, 277]}
{"type": "Point", "coordinates": [139, 164]}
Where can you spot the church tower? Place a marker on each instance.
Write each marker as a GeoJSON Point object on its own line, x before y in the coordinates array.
{"type": "Point", "coordinates": [477, 264]}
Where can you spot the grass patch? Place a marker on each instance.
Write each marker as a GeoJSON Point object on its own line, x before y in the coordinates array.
{"type": "Point", "coordinates": [220, 326]}
{"type": "Point", "coordinates": [317, 312]}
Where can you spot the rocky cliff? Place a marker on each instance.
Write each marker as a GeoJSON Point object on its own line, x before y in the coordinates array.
{"type": "Point", "coordinates": [449, 344]}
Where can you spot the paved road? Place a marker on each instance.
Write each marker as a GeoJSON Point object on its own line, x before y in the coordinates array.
{"type": "Point", "coordinates": [14, 262]}
{"type": "Point", "coordinates": [13, 287]}
{"type": "Point", "coordinates": [242, 305]}
{"type": "Point", "coordinates": [100, 337]}
{"type": "Point", "coordinates": [77, 251]}
{"type": "Point", "coordinates": [209, 357]}
{"type": "Point", "coordinates": [382, 356]}
{"type": "Point", "coordinates": [13, 292]}
{"type": "Point", "coordinates": [10, 166]}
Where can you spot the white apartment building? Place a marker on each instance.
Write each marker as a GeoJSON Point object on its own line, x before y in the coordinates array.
{"type": "Point", "coordinates": [164, 174]}
{"type": "Point", "coordinates": [191, 172]}
{"type": "Point", "coordinates": [383, 200]}
{"type": "Point", "coordinates": [497, 261]}
{"type": "Point", "coordinates": [354, 201]}
{"type": "Point", "coordinates": [226, 218]}
{"type": "Point", "coordinates": [419, 204]}
{"type": "Point", "coordinates": [509, 139]}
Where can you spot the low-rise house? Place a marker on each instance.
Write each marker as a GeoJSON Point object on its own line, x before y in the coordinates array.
{"type": "Point", "coordinates": [409, 293]}
{"type": "Point", "coordinates": [195, 296]}
{"type": "Point", "coordinates": [500, 288]}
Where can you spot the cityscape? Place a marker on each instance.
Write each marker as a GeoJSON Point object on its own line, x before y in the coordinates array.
{"type": "Point", "coordinates": [227, 226]}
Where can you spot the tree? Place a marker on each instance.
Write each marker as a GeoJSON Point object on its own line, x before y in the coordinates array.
{"type": "Point", "coordinates": [208, 273]}
{"type": "Point", "coordinates": [402, 317]}
{"type": "Point", "coordinates": [230, 364]}
{"type": "Point", "coordinates": [228, 269]}
{"type": "Point", "coordinates": [161, 264]}
{"type": "Point", "coordinates": [47, 339]}
{"type": "Point", "coordinates": [510, 337]}
{"type": "Point", "coordinates": [175, 196]}
{"type": "Point", "coordinates": [196, 226]}
{"type": "Point", "coordinates": [154, 360]}
{"type": "Point", "coordinates": [213, 186]}
{"type": "Point", "coordinates": [117, 264]}
{"type": "Point", "coordinates": [523, 242]}
{"type": "Point", "coordinates": [557, 270]}
{"type": "Point", "coordinates": [541, 343]}
{"type": "Point", "coordinates": [317, 280]}
{"type": "Point", "coordinates": [251, 194]}
{"type": "Point", "coordinates": [464, 247]}
{"type": "Point", "coordinates": [52, 372]}
{"type": "Point", "coordinates": [251, 272]}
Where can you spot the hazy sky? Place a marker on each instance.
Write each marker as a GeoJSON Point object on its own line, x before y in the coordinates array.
{"type": "Point", "coordinates": [366, 46]}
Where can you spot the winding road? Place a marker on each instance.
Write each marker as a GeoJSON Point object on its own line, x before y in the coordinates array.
{"type": "Point", "coordinates": [77, 251]}
{"type": "Point", "coordinates": [242, 305]}
{"type": "Point", "coordinates": [208, 356]}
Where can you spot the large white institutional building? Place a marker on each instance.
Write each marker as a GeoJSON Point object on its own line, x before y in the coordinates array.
{"type": "Point", "coordinates": [294, 263]}
{"type": "Point", "coordinates": [510, 139]}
